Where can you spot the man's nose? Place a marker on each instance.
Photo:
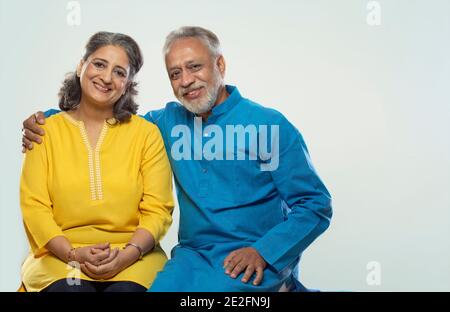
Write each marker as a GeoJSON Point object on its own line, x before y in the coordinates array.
{"type": "Point", "coordinates": [187, 79]}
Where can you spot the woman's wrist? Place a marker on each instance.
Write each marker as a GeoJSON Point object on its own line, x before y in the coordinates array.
{"type": "Point", "coordinates": [131, 254]}
{"type": "Point", "coordinates": [138, 248]}
{"type": "Point", "coordinates": [72, 255]}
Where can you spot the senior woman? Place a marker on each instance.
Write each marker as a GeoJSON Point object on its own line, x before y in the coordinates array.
{"type": "Point", "coordinates": [97, 194]}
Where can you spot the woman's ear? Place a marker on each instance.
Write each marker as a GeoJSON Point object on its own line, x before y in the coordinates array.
{"type": "Point", "coordinates": [125, 86]}
{"type": "Point", "coordinates": [79, 67]}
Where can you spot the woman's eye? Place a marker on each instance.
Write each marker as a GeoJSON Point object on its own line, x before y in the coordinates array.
{"type": "Point", "coordinates": [121, 74]}
{"type": "Point", "coordinates": [99, 65]}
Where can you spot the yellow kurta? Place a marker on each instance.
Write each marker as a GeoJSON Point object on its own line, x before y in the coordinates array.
{"type": "Point", "coordinates": [94, 195]}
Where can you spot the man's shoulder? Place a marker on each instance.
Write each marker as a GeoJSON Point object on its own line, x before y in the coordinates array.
{"type": "Point", "coordinates": [261, 112]}
{"type": "Point", "coordinates": [170, 109]}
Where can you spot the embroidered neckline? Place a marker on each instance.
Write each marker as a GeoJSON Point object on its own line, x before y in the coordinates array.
{"type": "Point", "coordinates": [94, 164]}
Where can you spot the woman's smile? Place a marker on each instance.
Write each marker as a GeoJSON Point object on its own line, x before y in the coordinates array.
{"type": "Point", "coordinates": [101, 87]}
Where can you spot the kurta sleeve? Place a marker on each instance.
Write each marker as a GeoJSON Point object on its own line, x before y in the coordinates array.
{"type": "Point", "coordinates": [308, 201]}
{"type": "Point", "coordinates": [157, 204]}
{"type": "Point", "coordinates": [35, 202]}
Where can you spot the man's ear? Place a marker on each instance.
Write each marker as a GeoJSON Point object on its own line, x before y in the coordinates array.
{"type": "Point", "coordinates": [79, 67]}
{"type": "Point", "coordinates": [221, 64]}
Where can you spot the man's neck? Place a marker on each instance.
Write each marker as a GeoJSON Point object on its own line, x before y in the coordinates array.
{"type": "Point", "coordinates": [221, 97]}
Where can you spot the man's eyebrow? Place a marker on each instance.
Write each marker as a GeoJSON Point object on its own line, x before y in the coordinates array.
{"type": "Point", "coordinates": [193, 62]}
{"type": "Point", "coordinates": [174, 67]}
{"type": "Point", "coordinates": [190, 62]}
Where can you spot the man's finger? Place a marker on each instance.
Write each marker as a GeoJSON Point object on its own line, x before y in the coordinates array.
{"type": "Point", "coordinates": [32, 136]}
{"type": "Point", "coordinates": [24, 145]}
{"type": "Point", "coordinates": [32, 124]}
{"type": "Point", "coordinates": [228, 259]}
{"type": "Point", "coordinates": [27, 143]}
{"type": "Point", "coordinates": [248, 273]}
{"type": "Point", "coordinates": [259, 276]}
{"type": "Point", "coordinates": [40, 117]}
{"type": "Point", "coordinates": [238, 269]}
{"type": "Point", "coordinates": [231, 265]}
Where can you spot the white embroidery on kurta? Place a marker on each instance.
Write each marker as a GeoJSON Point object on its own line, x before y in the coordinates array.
{"type": "Point", "coordinates": [94, 164]}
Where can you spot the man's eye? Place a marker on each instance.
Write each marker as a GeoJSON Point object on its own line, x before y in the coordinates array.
{"type": "Point", "coordinates": [196, 66]}
{"type": "Point", "coordinates": [174, 75]}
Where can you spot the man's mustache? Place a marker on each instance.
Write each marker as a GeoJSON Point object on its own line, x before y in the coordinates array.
{"type": "Point", "coordinates": [183, 91]}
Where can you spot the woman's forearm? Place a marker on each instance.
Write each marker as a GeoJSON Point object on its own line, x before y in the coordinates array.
{"type": "Point", "coordinates": [144, 239]}
{"type": "Point", "coordinates": [141, 241]}
{"type": "Point", "coordinates": [60, 247]}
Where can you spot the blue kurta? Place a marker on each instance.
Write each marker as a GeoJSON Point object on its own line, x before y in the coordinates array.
{"type": "Point", "coordinates": [230, 204]}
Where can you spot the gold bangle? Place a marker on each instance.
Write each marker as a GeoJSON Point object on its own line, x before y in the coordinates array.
{"type": "Point", "coordinates": [141, 253]}
{"type": "Point", "coordinates": [71, 256]}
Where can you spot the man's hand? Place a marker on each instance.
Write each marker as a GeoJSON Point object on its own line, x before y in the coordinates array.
{"type": "Point", "coordinates": [121, 260]}
{"type": "Point", "coordinates": [31, 131]}
{"type": "Point", "coordinates": [247, 259]}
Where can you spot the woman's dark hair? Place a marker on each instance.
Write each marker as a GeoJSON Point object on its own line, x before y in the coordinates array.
{"type": "Point", "coordinates": [70, 92]}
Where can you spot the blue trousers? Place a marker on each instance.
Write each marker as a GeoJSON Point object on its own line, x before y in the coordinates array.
{"type": "Point", "coordinates": [201, 271]}
{"type": "Point", "coordinates": [92, 286]}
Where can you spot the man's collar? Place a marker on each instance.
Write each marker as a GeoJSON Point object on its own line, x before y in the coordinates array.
{"type": "Point", "coordinates": [233, 98]}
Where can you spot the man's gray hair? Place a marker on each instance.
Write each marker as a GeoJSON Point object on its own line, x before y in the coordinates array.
{"type": "Point", "coordinates": [208, 38]}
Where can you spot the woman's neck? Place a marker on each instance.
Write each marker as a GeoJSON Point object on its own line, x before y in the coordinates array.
{"type": "Point", "coordinates": [91, 113]}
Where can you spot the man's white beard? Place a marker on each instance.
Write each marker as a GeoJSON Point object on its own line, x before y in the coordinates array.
{"type": "Point", "coordinates": [207, 102]}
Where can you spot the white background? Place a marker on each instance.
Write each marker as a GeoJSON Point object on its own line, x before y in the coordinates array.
{"type": "Point", "coordinates": [372, 102]}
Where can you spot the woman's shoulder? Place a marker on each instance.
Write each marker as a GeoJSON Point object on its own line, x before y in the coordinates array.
{"type": "Point", "coordinates": [55, 121]}
{"type": "Point", "coordinates": [145, 130]}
